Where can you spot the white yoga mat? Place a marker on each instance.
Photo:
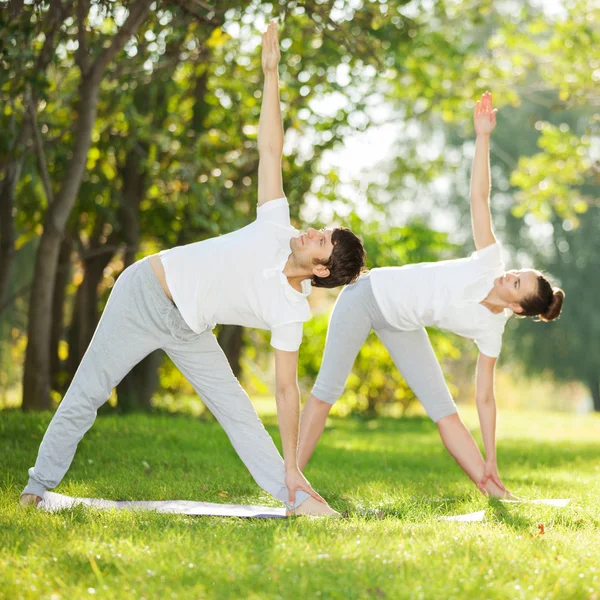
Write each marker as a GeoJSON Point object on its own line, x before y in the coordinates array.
{"type": "Point", "coordinates": [53, 502]}
{"type": "Point", "coordinates": [469, 517]}
{"type": "Point", "coordinates": [480, 515]}
{"type": "Point", "coordinates": [559, 502]}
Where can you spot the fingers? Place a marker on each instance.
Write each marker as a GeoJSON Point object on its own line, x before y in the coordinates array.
{"type": "Point", "coordinates": [315, 495]}
{"type": "Point", "coordinates": [484, 105]}
{"type": "Point", "coordinates": [272, 32]}
{"type": "Point", "coordinates": [292, 492]}
{"type": "Point", "coordinates": [497, 481]}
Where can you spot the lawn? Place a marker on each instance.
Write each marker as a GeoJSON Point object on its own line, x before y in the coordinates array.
{"type": "Point", "coordinates": [391, 478]}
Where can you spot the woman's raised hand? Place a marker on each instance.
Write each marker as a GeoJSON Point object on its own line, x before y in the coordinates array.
{"type": "Point", "coordinates": [484, 115]}
{"type": "Point", "coordinates": [270, 49]}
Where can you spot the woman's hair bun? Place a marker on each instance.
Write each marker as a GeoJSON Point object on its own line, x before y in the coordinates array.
{"type": "Point", "coordinates": [553, 311]}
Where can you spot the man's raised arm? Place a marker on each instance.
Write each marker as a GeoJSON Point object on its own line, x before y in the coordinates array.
{"type": "Point", "coordinates": [270, 127]}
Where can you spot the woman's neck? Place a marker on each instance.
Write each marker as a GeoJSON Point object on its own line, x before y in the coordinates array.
{"type": "Point", "coordinates": [493, 303]}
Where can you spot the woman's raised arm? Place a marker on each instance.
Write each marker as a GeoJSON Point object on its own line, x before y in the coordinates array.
{"type": "Point", "coordinates": [485, 121]}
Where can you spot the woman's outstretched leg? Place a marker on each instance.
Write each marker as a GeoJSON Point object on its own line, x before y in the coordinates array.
{"type": "Point", "coordinates": [415, 359]}
{"type": "Point", "coordinates": [350, 323]}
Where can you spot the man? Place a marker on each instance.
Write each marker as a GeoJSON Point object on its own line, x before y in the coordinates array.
{"type": "Point", "coordinates": [258, 276]}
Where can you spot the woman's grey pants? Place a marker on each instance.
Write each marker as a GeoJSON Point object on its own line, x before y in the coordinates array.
{"type": "Point", "coordinates": [355, 313]}
{"type": "Point", "coordinates": [138, 319]}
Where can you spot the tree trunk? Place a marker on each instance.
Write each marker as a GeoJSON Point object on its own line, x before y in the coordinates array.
{"type": "Point", "coordinates": [594, 385]}
{"type": "Point", "coordinates": [7, 226]}
{"type": "Point", "coordinates": [137, 388]}
{"type": "Point", "coordinates": [231, 341]}
{"type": "Point", "coordinates": [85, 309]}
{"type": "Point", "coordinates": [15, 163]}
{"type": "Point", "coordinates": [63, 276]}
{"type": "Point", "coordinates": [36, 379]}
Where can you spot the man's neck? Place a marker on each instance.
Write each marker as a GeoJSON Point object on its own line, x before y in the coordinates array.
{"type": "Point", "coordinates": [295, 273]}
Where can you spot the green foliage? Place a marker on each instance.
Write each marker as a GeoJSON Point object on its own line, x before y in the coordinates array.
{"type": "Point", "coordinates": [568, 346]}
{"type": "Point", "coordinates": [562, 51]}
{"type": "Point", "coordinates": [550, 180]}
{"type": "Point", "coordinates": [182, 101]}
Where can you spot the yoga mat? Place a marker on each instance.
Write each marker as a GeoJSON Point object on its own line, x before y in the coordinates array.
{"type": "Point", "coordinates": [479, 515]}
{"type": "Point", "coordinates": [469, 517]}
{"type": "Point", "coordinates": [53, 502]}
{"type": "Point", "coordinates": [559, 502]}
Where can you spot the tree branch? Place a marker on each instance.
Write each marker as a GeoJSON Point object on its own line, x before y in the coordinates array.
{"type": "Point", "coordinates": [39, 150]}
{"type": "Point", "coordinates": [137, 13]}
{"type": "Point", "coordinates": [56, 15]}
{"type": "Point", "coordinates": [82, 58]}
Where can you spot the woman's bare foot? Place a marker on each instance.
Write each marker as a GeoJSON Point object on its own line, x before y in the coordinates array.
{"type": "Point", "coordinates": [491, 489]}
{"type": "Point", "coordinates": [311, 507]}
{"type": "Point", "coordinates": [28, 499]}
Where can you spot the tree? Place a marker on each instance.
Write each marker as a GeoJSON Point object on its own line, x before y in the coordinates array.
{"type": "Point", "coordinates": [36, 381]}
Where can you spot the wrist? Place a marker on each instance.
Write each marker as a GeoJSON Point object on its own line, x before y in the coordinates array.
{"type": "Point", "coordinates": [483, 136]}
{"type": "Point", "coordinates": [291, 467]}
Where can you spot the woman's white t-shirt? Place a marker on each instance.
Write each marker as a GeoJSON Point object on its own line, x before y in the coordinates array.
{"type": "Point", "coordinates": [445, 294]}
{"type": "Point", "coordinates": [237, 279]}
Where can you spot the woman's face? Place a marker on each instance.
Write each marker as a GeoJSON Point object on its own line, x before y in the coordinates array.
{"type": "Point", "coordinates": [514, 286]}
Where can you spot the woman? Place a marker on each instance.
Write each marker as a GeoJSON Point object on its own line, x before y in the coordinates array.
{"type": "Point", "coordinates": [472, 297]}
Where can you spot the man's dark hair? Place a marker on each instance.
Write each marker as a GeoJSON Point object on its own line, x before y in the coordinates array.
{"type": "Point", "coordinates": [347, 261]}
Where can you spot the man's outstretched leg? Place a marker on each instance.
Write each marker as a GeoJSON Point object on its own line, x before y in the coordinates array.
{"type": "Point", "coordinates": [205, 366]}
{"type": "Point", "coordinates": [131, 327]}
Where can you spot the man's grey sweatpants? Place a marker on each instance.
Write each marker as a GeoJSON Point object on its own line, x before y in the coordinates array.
{"type": "Point", "coordinates": [355, 313]}
{"type": "Point", "coordinates": [138, 319]}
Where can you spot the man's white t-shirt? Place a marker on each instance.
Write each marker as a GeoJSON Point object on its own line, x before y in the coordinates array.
{"type": "Point", "coordinates": [237, 279]}
{"type": "Point", "coordinates": [445, 294]}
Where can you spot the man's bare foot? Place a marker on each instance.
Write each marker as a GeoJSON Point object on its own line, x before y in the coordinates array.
{"type": "Point", "coordinates": [313, 508]}
{"type": "Point", "coordinates": [28, 499]}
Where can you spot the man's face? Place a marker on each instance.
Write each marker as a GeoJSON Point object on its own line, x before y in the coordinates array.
{"type": "Point", "coordinates": [312, 245]}
{"type": "Point", "coordinates": [515, 286]}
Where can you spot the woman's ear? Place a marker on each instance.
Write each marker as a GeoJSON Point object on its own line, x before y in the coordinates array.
{"type": "Point", "coordinates": [516, 308]}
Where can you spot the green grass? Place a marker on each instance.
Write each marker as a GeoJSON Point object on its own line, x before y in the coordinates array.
{"type": "Point", "coordinates": [391, 476]}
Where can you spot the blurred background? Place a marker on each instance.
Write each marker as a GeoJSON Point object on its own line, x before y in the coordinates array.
{"type": "Point", "coordinates": [130, 127]}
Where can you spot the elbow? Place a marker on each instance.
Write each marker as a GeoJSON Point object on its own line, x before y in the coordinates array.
{"type": "Point", "coordinates": [485, 400]}
{"type": "Point", "coordinates": [270, 149]}
{"type": "Point", "coordinates": [287, 393]}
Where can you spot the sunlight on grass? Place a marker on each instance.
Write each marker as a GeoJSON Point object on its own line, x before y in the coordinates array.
{"type": "Point", "coordinates": [393, 480]}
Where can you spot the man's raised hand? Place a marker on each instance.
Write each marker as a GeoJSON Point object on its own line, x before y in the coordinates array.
{"type": "Point", "coordinates": [484, 115]}
{"type": "Point", "coordinates": [270, 49]}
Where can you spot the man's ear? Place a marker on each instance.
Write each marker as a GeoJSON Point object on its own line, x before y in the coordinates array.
{"type": "Point", "coordinates": [516, 308]}
{"type": "Point", "coordinates": [320, 271]}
